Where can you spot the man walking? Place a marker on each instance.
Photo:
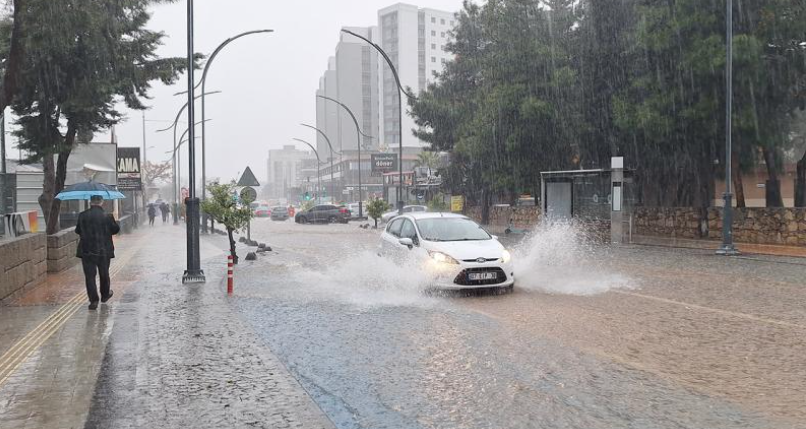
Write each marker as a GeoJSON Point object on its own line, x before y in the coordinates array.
{"type": "Point", "coordinates": [95, 248]}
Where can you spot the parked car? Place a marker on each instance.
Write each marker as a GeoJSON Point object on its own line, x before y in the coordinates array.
{"type": "Point", "coordinates": [453, 250]}
{"type": "Point", "coordinates": [325, 213]}
{"type": "Point", "coordinates": [353, 207]}
{"type": "Point", "coordinates": [279, 213]}
{"type": "Point", "coordinates": [386, 217]}
{"type": "Point", "coordinates": [262, 211]}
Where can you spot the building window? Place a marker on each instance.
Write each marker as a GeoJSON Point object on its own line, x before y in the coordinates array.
{"type": "Point", "coordinates": [451, 23]}
{"type": "Point", "coordinates": [443, 60]}
{"type": "Point", "coordinates": [433, 33]}
{"type": "Point", "coordinates": [433, 46]}
{"type": "Point", "coordinates": [442, 21]}
{"type": "Point", "coordinates": [442, 48]}
{"type": "Point", "coordinates": [442, 34]}
{"type": "Point", "coordinates": [433, 59]}
{"type": "Point", "coordinates": [433, 20]}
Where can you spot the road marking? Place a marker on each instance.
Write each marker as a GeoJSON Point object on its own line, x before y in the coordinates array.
{"type": "Point", "coordinates": [31, 342]}
{"type": "Point", "coordinates": [713, 310]}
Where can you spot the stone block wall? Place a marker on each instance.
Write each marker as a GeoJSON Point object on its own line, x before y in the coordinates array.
{"type": "Point", "coordinates": [23, 264]}
{"type": "Point", "coordinates": [785, 226]}
{"type": "Point", "coordinates": [763, 225]}
{"type": "Point", "coordinates": [522, 216]}
{"type": "Point", "coordinates": [62, 250]}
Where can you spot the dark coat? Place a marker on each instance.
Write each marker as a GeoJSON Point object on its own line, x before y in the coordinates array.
{"type": "Point", "coordinates": [96, 229]}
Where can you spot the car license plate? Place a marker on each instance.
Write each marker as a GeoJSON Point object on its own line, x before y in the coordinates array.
{"type": "Point", "coordinates": [491, 275]}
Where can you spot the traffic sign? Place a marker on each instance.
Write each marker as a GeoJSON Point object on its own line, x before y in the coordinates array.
{"type": "Point", "coordinates": [248, 194]}
{"type": "Point", "coordinates": [248, 178]}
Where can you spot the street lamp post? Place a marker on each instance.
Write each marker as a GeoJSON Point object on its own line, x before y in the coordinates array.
{"type": "Point", "coordinates": [318, 176]}
{"type": "Point", "coordinates": [359, 133]}
{"type": "Point", "coordinates": [175, 161]}
{"type": "Point", "coordinates": [193, 273]}
{"type": "Point", "coordinates": [332, 180]}
{"type": "Point", "coordinates": [728, 248]}
{"type": "Point", "coordinates": [401, 91]}
{"type": "Point", "coordinates": [203, 84]}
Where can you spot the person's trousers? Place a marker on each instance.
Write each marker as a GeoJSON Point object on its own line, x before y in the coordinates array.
{"type": "Point", "coordinates": [96, 265]}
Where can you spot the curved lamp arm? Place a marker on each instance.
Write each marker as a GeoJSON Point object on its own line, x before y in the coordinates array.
{"type": "Point", "coordinates": [385, 57]}
{"type": "Point", "coordinates": [179, 114]}
{"type": "Point", "coordinates": [348, 111]}
{"type": "Point", "coordinates": [216, 52]}
{"type": "Point", "coordinates": [326, 139]}
{"type": "Point", "coordinates": [312, 148]}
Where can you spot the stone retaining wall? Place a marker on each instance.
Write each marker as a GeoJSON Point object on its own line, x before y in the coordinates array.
{"type": "Point", "coordinates": [62, 250]}
{"type": "Point", "coordinates": [750, 225]}
{"type": "Point", "coordinates": [23, 264]}
{"type": "Point", "coordinates": [522, 216]}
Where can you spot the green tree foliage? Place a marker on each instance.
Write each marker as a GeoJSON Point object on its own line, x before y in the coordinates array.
{"type": "Point", "coordinates": [557, 84]}
{"type": "Point", "coordinates": [427, 159]}
{"type": "Point", "coordinates": [495, 106]}
{"type": "Point", "coordinates": [376, 208]}
{"type": "Point", "coordinates": [224, 209]}
{"type": "Point", "coordinates": [83, 57]}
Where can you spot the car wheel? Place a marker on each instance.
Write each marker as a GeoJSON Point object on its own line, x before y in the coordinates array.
{"type": "Point", "coordinates": [303, 220]}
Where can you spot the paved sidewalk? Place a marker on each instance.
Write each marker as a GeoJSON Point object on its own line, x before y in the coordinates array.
{"type": "Point", "coordinates": [748, 248]}
{"type": "Point", "coordinates": [159, 355]}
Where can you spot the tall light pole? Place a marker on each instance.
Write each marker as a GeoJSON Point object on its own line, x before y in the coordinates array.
{"type": "Point", "coordinates": [401, 91]}
{"type": "Point", "coordinates": [193, 273]}
{"type": "Point", "coordinates": [318, 176]}
{"type": "Point", "coordinates": [332, 180]}
{"type": "Point", "coordinates": [145, 149]}
{"type": "Point", "coordinates": [203, 84]}
{"type": "Point", "coordinates": [728, 248]}
{"type": "Point", "coordinates": [359, 133]}
{"type": "Point", "coordinates": [175, 161]}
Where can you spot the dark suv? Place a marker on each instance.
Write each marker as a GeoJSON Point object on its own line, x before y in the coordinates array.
{"type": "Point", "coordinates": [325, 213]}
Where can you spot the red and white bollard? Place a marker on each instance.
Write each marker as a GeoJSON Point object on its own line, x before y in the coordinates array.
{"type": "Point", "coordinates": [229, 275]}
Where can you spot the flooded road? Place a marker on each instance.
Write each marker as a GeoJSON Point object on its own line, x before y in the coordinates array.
{"type": "Point", "coordinates": [591, 338]}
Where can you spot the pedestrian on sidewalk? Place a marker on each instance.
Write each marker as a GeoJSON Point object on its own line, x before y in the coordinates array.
{"type": "Point", "coordinates": [95, 248]}
{"type": "Point", "coordinates": [165, 209]}
{"type": "Point", "coordinates": [152, 213]}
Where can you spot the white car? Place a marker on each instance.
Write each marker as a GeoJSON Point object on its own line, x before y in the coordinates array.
{"type": "Point", "coordinates": [454, 251]}
{"type": "Point", "coordinates": [386, 217]}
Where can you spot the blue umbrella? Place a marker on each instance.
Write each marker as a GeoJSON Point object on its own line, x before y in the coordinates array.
{"type": "Point", "coordinates": [86, 190]}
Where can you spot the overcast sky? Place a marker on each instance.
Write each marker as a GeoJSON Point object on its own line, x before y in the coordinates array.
{"type": "Point", "coordinates": [268, 81]}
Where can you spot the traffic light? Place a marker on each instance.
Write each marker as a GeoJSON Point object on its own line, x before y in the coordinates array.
{"type": "Point", "coordinates": [306, 196]}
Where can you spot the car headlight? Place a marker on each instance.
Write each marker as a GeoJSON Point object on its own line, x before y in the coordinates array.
{"type": "Point", "coordinates": [442, 258]}
{"type": "Point", "coordinates": [506, 256]}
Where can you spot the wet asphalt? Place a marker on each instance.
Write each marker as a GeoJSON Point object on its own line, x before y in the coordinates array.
{"type": "Point", "coordinates": [592, 337]}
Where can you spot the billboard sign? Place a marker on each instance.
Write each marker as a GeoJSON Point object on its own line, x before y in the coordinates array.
{"type": "Point", "coordinates": [383, 163]}
{"type": "Point", "coordinates": [128, 169]}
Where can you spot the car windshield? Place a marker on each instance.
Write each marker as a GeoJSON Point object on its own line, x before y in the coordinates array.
{"type": "Point", "coordinates": [451, 229]}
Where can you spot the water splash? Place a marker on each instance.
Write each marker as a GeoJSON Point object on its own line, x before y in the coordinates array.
{"type": "Point", "coordinates": [366, 279]}
{"type": "Point", "coordinates": [560, 257]}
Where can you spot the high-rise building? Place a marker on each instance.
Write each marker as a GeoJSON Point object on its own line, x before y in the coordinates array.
{"type": "Point", "coordinates": [285, 170]}
{"type": "Point", "coordinates": [415, 41]}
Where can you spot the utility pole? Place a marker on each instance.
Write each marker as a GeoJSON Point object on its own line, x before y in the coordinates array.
{"type": "Point", "coordinates": [194, 273]}
{"type": "Point", "coordinates": [359, 133]}
{"type": "Point", "coordinates": [401, 92]}
{"type": "Point", "coordinates": [728, 248]}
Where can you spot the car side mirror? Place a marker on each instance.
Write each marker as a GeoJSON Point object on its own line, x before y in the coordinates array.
{"type": "Point", "coordinates": [406, 242]}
